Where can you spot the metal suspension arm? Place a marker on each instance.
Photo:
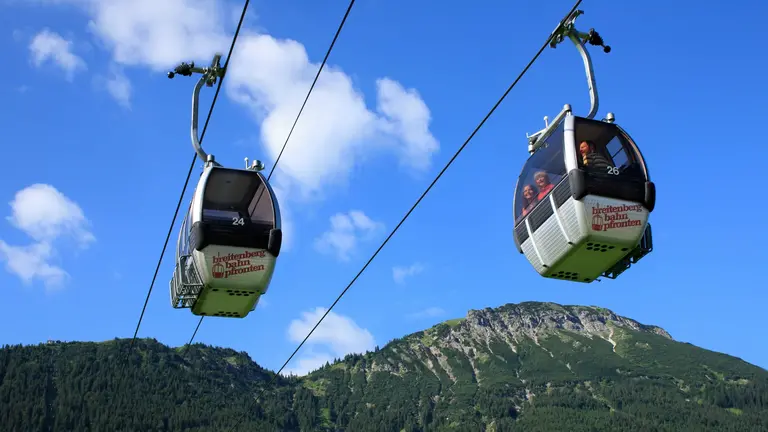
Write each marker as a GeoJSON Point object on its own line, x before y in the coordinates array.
{"type": "Point", "coordinates": [579, 39]}
{"type": "Point", "coordinates": [209, 77]}
{"type": "Point", "coordinates": [594, 101]}
{"type": "Point", "coordinates": [567, 30]}
{"type": "Point", "coordinates": [195, 102]}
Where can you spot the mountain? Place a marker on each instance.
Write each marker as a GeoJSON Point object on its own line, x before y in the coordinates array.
{"type": "Point", "coordinates": [520, 367]}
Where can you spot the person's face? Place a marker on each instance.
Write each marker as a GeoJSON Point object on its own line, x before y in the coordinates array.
{"type": "Point", "coordinates": [542, 181]}
{"type": "Point", "coordinates": [528, 192]}
{"type": "Point", "coordinates": [584, 148]}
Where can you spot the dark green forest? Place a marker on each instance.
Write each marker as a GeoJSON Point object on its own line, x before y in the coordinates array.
{"type": "Point", "coordinates": [529, 367]}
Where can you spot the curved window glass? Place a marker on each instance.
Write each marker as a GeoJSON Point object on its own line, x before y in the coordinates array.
{"type": "Point", "coordinates": [543, 170]}
{"type": "Point", "coordinates": [237, 197]}
{"type": "Point", "coordinates": [602, 150]}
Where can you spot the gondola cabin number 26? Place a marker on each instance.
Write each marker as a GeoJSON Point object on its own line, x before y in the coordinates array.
{"type": "Point", "coordinates": [615, 218]}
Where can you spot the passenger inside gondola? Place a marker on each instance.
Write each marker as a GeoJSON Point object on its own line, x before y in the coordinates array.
{"type": "Point", "coordinates": [529, 199]}
{"type": "Point", "coordinates": [543, 170]}
{"type": "Point", "coordinates": [592, 159]}
{"type": "Point", "coordinates": [542, 181]}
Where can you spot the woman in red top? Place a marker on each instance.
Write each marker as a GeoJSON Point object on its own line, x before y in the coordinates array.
{"type": "Point", "coordinates": [542, 181]}
{"type": "Point", "coordinates": [529, 199]}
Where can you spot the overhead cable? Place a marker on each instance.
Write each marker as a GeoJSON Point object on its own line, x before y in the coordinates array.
{"type": "Point", "coordinates": [413, 207]}
{"type": "Point", "coordinates": [189, 174]}
{"type": "Point", "coordinates": [312, 87]}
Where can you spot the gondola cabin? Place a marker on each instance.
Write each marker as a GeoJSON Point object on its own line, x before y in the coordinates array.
{"type": "Point", "coordinates": [582, 201]}
{"type": "Point", "coordinates": [228, 244]}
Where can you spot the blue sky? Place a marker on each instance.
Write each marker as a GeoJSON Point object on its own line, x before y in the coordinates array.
{"type": "Point", "coordinates": [89, 112]}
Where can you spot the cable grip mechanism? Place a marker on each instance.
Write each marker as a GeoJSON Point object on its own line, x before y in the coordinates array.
{"type": "Point", "coordinates": [568, 28]}
{"type": "Point", "coordinates": [211, 74]}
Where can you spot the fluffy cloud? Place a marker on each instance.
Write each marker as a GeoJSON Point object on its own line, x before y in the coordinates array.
{"type": "Point", "coordinates": [346, 231]}
{"type": "Point", "coordinates": [157, 34]}
{"type": "Point", "coordinates": [44, 214]}
{"type": "Point", "coordinates": [409, 119]}
{"type": "Point", "coordinates": [308, 363]}
{"type": "Point", "coordinates": [430, 312]}
{"type": "Point", "coordinates": [271, 77]}
{"type": "Point", "coordinates": [399, 273]}
{"type": "Point", "coordinates": [117, 85]}
{"type": "Point", "coordinates": [31, 262]}
{"type": "Point", "coordinates": [335, 337]}
{"type": "Point", "coordinates": [50, 46]}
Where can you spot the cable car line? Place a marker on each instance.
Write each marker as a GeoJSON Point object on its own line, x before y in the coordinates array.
{"type": "Point", "coordinates": [325, 59]}
{"type": "Point", "coordinates": [301, 110]}
{"type": "Point", "coordinates": [189, 174]}
{"type": "Point", "coordinates": [413, 207]}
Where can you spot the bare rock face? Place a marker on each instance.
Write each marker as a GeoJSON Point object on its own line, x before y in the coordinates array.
{"type": "Point", "coordinates": [534, 319]}
{"type": "Point", "coordinates": [468, 343]}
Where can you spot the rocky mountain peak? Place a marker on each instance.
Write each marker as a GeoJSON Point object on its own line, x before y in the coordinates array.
{"type": "Point", "coordinates": [536, 318]}
{"type": "Point", "coordinates": [502, 333]}
{"type": "Point", "coordinates": [512, 326]}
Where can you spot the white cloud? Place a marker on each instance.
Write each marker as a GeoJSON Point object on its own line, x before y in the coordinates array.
{"type": "Point", "coordinates": [157, 34]}
{"type": "Point", "coordinates": [409, 119]}
{"type": "Point", "coordinates": [50, 46]}
{"type": "Point", "coordinates": [430, 312]}
{"type": "Point", "coordinates": [336, 130]}
{"type": "Point", "coordinates": [270, 77]}
{"type": "Point", "coordinates": [345, 233]}
{"type": "Point", "coordinates": [335, 337]}
{"type": "Point", "coordinates": [309, 362]}
{"type": "Point", "coordinates": [44, 214]}
{"type": "Point", "coordinates": [400, 273]}
{"type": "Point", "coordinates": [118, 86]}
{"type": "Point", "coordinates": [31, 262]}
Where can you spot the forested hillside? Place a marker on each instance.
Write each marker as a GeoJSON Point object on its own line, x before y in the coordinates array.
{"type": "Point", "coordinates": [521, 367]}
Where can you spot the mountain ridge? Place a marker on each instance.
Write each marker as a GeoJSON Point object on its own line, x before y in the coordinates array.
{"type": "Point", "coordinates": [512, 321]}
{"type": "Point", "coordinates": [531, 366]}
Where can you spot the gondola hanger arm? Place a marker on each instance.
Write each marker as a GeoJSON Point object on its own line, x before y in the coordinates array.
{"type": "Point", "coordinates": [579, 39]}
{"type": "Point", "coordinates": [209, 76]}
